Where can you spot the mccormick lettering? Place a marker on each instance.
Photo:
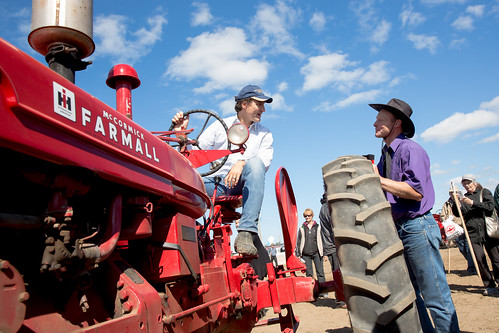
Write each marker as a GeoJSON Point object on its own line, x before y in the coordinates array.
{"type": "Point", "coordinates": [123, 125]}
{"type": "Point", "coordinates": [115, 129]}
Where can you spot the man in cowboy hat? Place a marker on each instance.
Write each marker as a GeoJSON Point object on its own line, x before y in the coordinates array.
{"type": "Point", "coordinates": [404, 169]}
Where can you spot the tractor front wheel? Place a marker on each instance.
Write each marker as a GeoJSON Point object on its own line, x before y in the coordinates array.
{"type": "Point", "coordinates": [377, 287]}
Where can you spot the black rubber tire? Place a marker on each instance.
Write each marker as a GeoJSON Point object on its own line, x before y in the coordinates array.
{"type": "Point", "coordinates": [377, 287]}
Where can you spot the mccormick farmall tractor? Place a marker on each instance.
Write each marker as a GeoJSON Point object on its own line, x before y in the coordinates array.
{"type": "Point", "coordinates": [100, 219]}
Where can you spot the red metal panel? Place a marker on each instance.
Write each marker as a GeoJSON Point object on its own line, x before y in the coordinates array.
{"type": "Point", "coordinates": [166, 264]}
{"type": "Point", "coordinates": [46, 116]}
{"type": "Point", "coordinates": [289, 217]}
{"type": "Point", "coordinates": [293, 289]}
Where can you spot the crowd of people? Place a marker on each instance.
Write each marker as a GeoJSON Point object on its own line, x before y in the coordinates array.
{"type": "Point", "coordinates": [472, 207]}
{"type": "Point", "coordinates": [404, 174]}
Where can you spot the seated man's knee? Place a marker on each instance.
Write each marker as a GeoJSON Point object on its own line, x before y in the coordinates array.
{"type": "Point", "coordinates": [255, 165]}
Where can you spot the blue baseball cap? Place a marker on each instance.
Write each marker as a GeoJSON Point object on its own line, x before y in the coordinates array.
{"type": "Point", "coordinates": [254, 92]}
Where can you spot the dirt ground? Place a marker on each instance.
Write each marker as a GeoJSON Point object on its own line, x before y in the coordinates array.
{"type": "Point", "coordinates": [476, 313]}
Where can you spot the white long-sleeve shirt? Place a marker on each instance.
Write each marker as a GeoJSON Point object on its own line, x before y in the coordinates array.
{"type": "Point", "coordinates": [259, 143]}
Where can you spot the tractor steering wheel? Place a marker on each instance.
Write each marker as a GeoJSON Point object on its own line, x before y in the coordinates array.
{"type": "Point", "coordinates": [207, 114]}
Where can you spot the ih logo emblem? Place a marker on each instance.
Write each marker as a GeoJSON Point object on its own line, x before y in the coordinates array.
{"type": "Point", "coordinates": [64, 102]}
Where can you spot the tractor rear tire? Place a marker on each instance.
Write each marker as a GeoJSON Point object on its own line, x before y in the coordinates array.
{"type": "Point", "coordinates": [376, 282]}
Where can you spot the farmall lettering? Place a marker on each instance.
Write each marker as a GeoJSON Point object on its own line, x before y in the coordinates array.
{"type": "Point", "coordinates": [119, 131]}
{"type": "Point", "coordinates": [107, 124]}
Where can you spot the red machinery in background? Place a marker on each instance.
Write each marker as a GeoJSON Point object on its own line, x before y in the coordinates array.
{"type": "Point", "coordinates": [98, 228]}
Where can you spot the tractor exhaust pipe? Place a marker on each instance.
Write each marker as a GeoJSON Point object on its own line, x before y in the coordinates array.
{"type": "Point", "coordinates": [61, 31]}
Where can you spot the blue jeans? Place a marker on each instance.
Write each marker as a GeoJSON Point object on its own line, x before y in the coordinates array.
{"type": "Point", "coordinates": [421, 239]}
{"type": "Point", "coordinates": [462, 245]}
{"type": "Point", "coordinates": [251, 185]}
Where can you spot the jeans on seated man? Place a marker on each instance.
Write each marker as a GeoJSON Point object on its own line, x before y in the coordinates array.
{"type": "Point", "coordinates": [242, 173]}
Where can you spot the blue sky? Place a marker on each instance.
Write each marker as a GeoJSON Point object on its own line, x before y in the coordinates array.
{"type": "Point", "coordinates": [322, 62]}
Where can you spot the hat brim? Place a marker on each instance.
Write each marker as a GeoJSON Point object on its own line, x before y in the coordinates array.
{"type": "Point", "coordinates": [263, 99]}
{"type": "Point", "coordinates": [408, 125]}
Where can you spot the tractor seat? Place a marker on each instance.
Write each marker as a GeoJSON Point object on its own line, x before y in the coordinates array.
{"type": "Point", "coordinates": [229, 201]}
{"type": "Point", "coordinates": [228, 205]}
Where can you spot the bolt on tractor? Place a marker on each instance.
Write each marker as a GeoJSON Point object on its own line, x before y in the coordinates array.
{"type": "Point", "coordinates": [107, 227]}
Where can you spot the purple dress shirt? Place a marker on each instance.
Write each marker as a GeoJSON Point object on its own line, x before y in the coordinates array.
{"type": "Point", "coordinates": [410, 164]}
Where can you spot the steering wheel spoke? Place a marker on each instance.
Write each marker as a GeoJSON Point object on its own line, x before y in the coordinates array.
{"type": "Point", "coordinates": [202, 118]}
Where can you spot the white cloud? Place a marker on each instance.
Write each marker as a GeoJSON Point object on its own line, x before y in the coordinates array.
{"type": "Point", "coordinates": [436, 169]}
{"type": "Point", "coordinates": [22, 19]}
{"type": "Point", "coordinates": [271, 25]}
{"type": "Point", "coordinates": [421, 42]}
{"type": "Point", "coordinates": [410, 17]}
{"type": "Point", "coordinates": [492, 138]}
{"type": "Point", "coordinates": [24, 28]}
{"type": "Point", "coordinates": [112, 38]}
{"type": "Point", "coordinates": [283, 86]}
{"type": "Point", "coordinates": [318, 21]}
{"type": "Point", "coordinates": [279, 103]}
{"type": "Point", "coordinates": [331, 69]}
{"type": "Point", "coordinates": [465, 123]}
{"type": "Point", "coordinates": [463, 23]}
{"type": "Point", "coordinates": [439, 2]}
{"type": "Point", "coordinates": [21, 13]}
{"type": "Point", "coordinates": [362, 97]}
{"type": "Point", "coordinates": [380, 33]}
{"type": "Point", "coordinates": [202, 15]}
{"type": "Point", "coordinates": [458, 43]}
{"type": "Point", "coordinates": [399, 79]}
{"type": "Point", "coordinates": [373, 27]}
{"type": "Point", "coordinates": [322, 70]}
{"type": "Point", "coordinates": [493, 105]}
{"type": "Point", "coordinates": [227, 107]}
{"type": "Point", "coordinates": [217, 57]}
{"type": "Point", "coordinates": [477, 10]}
{"type": "Point", "coordinates": [377, 73]}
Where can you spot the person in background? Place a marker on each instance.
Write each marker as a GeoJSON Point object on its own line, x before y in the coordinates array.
{"type": "Point", "coordinates": [327, 235]}
{"type": "Point", "coordinates": [496, 198]}
{"type": "Point", "coordinates": [462, 244]}
{"type": "Point", "coordinates": [273, 255]}
{"type": "Point", "coordinates": [242, 173]}
{"type": "Point", "coordinates": [477, 203]}
{"type": "Point", "coordinates": [404, 170]}
{"type": "Point", "coordinates": [309, 245]}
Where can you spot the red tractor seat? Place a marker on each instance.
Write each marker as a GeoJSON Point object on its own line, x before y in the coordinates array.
{"type": "Point", "coordinates": [228, 205]}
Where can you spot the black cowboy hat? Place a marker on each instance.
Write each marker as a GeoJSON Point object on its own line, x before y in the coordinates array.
{"type": "Point", "coordinates": [401, 110]}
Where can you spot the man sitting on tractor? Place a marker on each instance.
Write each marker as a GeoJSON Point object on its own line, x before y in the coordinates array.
{"type": "Point", "coordinates": [242, 173]}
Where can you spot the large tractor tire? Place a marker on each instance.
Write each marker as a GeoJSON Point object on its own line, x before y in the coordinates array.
{"type": "Point", "coordinates": [377, 287]}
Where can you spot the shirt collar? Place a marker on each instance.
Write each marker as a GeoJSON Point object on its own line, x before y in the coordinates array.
{"type": "Point", "coordinates": [396, 142]}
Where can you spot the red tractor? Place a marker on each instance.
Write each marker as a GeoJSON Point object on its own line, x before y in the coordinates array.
{"type": "Point", "coordinates": [99, 226]}
{"type": "Point", "coordinates": [106, 227]}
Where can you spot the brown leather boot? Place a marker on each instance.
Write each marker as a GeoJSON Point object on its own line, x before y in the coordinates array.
{"type": "Point", "coordinates": [244, 244]}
